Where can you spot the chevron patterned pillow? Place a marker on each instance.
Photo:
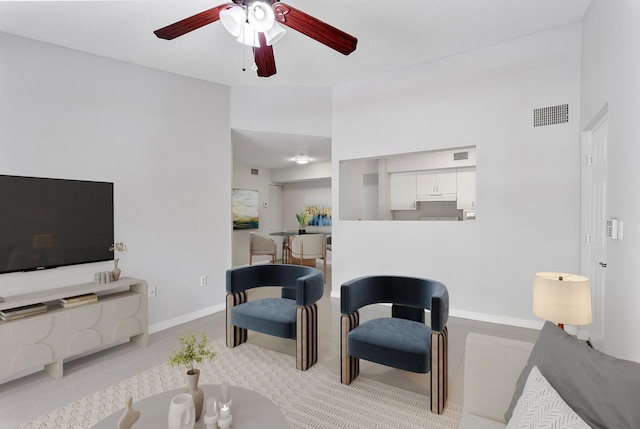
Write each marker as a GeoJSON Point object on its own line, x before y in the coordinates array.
{"type": "Point", "coordinates": [541, 407]}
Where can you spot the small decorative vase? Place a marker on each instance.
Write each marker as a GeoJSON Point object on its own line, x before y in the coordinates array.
{"type": "Point", "coordinates": [198, 395]}
{"type": "Point", "coordinates": [181, 412]}
{"type": "Point", "coordinates": [301, 230]}
{"type": "Point", "coordinates": [116, 271]}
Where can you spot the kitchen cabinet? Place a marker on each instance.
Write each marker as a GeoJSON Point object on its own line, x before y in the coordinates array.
{"type": "Point", "coordinates": [402, 191]}
{"type": "Point", "coordinates": [466, 188]}
{"type": "Point", "coordinates": [436, 183]}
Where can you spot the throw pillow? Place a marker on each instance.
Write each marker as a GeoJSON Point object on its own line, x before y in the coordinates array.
{"type": "Point", "coordinates": [603, 390]}
{"type": "Point", "coordinates": [541, 407]}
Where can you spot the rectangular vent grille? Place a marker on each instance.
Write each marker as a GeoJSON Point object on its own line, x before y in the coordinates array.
{"type": "Point", "coordinates": [254, 171]}
{"type": "Point", "coordinates": [459, 156]}
{"type": "Point", "coordinates": [551, 115]}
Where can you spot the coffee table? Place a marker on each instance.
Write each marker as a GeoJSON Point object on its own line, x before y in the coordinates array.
{"type": "Point", "coordinates": [249, 410]}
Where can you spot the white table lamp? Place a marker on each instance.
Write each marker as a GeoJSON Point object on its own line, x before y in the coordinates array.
{"type": "Point", "coordinates": [562, 298]}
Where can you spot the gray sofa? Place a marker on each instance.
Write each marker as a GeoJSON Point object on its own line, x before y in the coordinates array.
{"type": "Point", "coordinates": [603, 391]}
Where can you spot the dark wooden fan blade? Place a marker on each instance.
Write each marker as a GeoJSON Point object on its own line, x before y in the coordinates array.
{"type": "Point", "coordinates": [264, 58]}
{"type": "Point", "coordinates": [192, 23]}
{"type": "Point", "coordinates": [314, 28]}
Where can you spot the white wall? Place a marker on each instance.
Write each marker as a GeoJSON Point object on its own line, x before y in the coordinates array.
{"type": "Point", "coordinates": [528, 180]}
{"type": "Point", "coordinates": [298, 195]}
{"type": "Point", "coordinates": [295, 197]}
{"type": "Point", "coordinates": [162, 139]}
{"type": "Point", "coordinates": [243, 179]}
{"type": "Point", "coordinates": [297, 173]}
{"type": "Point", "coordinates": [611, 74]}
{"type": "Point", "coordinates": [292, 110]}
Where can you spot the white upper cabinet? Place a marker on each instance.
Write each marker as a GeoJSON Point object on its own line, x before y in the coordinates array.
{"type": "Point", "coordinates": [402, 191]}
{"type": "Point", "coordinates": [436, 184]}
{"type": "Point", "coordinates": [466, 188]}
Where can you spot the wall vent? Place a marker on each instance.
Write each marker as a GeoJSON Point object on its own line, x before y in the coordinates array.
{"type": "Point", "coordinates": [459, 156]}
{"type": "Point", "coordinates": [551, 115]}
{"type": "Point", "coordinates": [254, 171]}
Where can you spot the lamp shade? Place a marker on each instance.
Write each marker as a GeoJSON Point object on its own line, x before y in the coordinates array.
{"type": "Point", "coordinates": [249, 36]}
{"type": "Point", "coordinates": [562, 298]}
{"type": "Point", "coordinates": [274, 34]}
{"type": "Point", "coordinates": [232, 19]}
{"type": "Point", "coordinates": [261, 16]}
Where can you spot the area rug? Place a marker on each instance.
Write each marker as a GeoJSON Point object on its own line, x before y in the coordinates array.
{"type": "Point", "coordinates": [309, 399]}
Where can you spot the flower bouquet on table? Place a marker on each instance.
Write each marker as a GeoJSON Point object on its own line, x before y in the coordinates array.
{"type": "Point", "coordinates": [303, 219]}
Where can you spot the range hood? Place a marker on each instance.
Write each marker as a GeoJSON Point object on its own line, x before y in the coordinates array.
{"type": "Point", "coordinates": [436, 197]}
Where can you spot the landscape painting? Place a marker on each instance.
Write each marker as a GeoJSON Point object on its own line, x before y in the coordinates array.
{"type": "Point", "coordinates": [245, 209]}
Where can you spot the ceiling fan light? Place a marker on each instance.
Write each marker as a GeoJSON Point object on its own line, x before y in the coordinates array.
{"type": "Point", "coordinates": [233, 19]}
{"type": "Point", "coordinates": [249, 36]}
{"type": "Point", "coordinates": [274, 34]}
{"type": "Point", "coordinates": [261, 16]}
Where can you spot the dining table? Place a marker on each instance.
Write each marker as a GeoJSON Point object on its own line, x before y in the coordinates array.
{"type": "Point", "coordinates": [286, 240]}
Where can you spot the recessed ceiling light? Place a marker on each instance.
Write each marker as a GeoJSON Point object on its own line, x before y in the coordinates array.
{"type": "Point", "coordinates": [301, 159]}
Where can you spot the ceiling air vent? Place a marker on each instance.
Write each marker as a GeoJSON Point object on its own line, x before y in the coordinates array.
{"type": "Point", "coordinates": [254, 171]}
{"type": "Point", "coordinates": [551, 115]}
{"type": "Point", "coordinates": [459, 156]}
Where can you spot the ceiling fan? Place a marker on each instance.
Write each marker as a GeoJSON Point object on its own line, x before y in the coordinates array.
{"type": "Point", "coordinates": [255, 23]}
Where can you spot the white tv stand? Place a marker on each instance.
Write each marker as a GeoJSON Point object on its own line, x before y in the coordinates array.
{"type": "Point", "coordinates": [62, 332]}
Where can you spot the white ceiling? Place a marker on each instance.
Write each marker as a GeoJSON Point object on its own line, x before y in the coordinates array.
{"type": "Point", "coordinates": [391, 35]}
{"type": "Point", "coordinates": [277, 150]}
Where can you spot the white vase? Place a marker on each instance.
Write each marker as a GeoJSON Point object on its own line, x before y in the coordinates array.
{"type": "Point", "coordinates": [182, 412]}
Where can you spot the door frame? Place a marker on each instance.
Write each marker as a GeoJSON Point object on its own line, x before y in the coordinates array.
{"type": "Point", "coordinates": [586, 229]}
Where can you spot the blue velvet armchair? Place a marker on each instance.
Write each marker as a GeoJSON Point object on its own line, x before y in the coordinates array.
{"type": "Point", "coordinates": [403, 340]}
{"type": "Point", "coordinates": [294, 315]}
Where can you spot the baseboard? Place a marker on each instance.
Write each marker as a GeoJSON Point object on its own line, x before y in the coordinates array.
{"type": "Point", "coordinates": [484, 317]}
{"type": "Point", "coordinates": [501, 320]}
{"type": "Point", "coordinates": [166, 324]}
{"type": "Point", "coordinates": [471, 315]}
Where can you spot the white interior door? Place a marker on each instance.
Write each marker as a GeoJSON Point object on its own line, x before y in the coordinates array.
{"type": "Point", "coordinates": [594, 220]}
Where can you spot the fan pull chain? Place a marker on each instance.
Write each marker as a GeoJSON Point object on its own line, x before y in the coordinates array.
{"type": "Point", "coordinates": [242, 49]}
{"type": "Point", "coordinates": [243, 65]}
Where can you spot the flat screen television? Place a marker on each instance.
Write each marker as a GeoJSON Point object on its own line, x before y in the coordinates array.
{"type": "Point", "coordinates": [49, 223]}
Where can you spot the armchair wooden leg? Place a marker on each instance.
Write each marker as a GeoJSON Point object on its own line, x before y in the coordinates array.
{"type": "Point", "coordinates": [349, 365]}
{"type": "Point", "coordinates": [439, 370]}
{"type": "Point", "coordinates": [306, 336]}
{"type": "Point", "coordinates": [235, 334]}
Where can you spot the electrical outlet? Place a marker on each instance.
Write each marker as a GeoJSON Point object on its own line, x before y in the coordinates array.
{"type": "Point", "coordinates": [203, 281]}
{"type": "Point", "coordinates": [152, 291]}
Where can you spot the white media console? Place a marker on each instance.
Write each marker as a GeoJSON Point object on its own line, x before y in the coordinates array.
{"type": "Point", "coordinates": [46, 339]}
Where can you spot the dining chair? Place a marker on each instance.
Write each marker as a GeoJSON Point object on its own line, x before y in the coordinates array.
{"type": "Point", "coordinates": [306, 248]}
{"type": "Point", "coordinates": [261, 245]}
{"type": "Point", "coordinates": [286, 243]}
